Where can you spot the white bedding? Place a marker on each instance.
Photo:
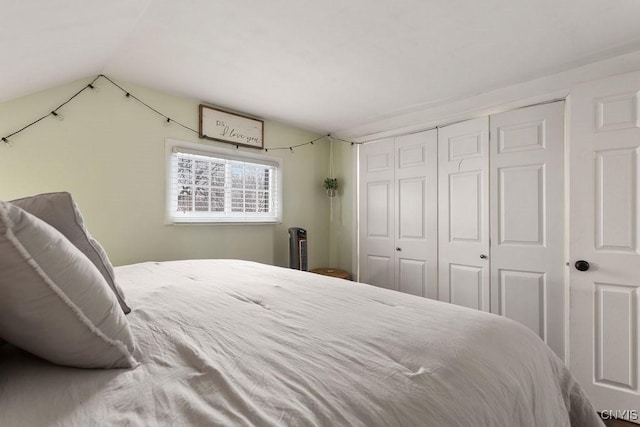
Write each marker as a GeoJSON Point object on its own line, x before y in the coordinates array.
{"type": "Point", "coordinates": [236, 343]}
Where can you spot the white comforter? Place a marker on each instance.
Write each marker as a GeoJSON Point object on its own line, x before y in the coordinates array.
{"type": "Point", "coordinates": [238, 343]}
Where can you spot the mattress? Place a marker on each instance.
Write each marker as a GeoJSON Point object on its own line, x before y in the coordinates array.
{"type": "Point", "coordinates": [237, 343]}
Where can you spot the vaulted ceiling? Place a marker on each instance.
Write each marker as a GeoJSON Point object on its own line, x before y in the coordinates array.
{"type": "Point", "coordinates": [321, 65]}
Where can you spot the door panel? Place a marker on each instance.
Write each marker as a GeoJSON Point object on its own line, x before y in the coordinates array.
{"type": "Point", "coordinates": [527, 221]}
{"type": "Point", "coordinates": [398, 214]}
{"type": "Point", "coordinates": [616, 199]}
{"type": "Point", "coordinates": [463, 194]}
{"type": "Point", "coordinates": [378, 198]}
{"type": "Point", "coordinates": [521, 136]}
{"type": "Point", "coordinates": [467, 142]}
{"type": "Point", "coordinates": [412, 276]}
{"type": "Point", "coordinates": [416, 210]}
{"type": "Point", "coordinates": [467, 286]}
{"type": "Point", "coordinates": [377, 214]}
{"type": "Point", "coordinates": [411, 215]}
{"type": "Point", "coordinates": [521, 204]}
{"type": "Point", "coordinates": [616, 311]}
{"type": "Point", "coordinates": [465, 206]}
{"type": "Point", "coordinates": [522, 298]}
{"type": "Point", "coordinates": [605, 186]}
{"type": "Point", "coordinates": [379, 270]}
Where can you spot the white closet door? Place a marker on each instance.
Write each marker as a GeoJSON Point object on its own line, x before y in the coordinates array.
{"type": "Point", "coordinates": [377, 229]}
{"type": "Point", "coordinates": [605, 232]}
{"type": "Point", "coordinates": [527, 216]}
{"type": "Point", "coordinates": [463, 215]}
{"type": "Point", "coordinates": [416, 242]}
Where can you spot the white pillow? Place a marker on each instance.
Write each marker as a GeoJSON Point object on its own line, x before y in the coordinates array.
{"type": "Point", "coordinates": [54, 302]}
{"type": "Point", "coordinates": [61, 212]}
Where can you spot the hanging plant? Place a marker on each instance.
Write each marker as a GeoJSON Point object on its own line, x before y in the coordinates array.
{"type": "Point", "coordinates": [331, 185]}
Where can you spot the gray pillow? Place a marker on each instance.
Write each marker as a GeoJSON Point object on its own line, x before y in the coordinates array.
{"type": "Point", "coordinates": [60, 211]}
{"type": "Point", "coordinates": [54, 302]}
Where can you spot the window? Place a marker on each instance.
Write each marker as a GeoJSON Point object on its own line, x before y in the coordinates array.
{"type": "Point", "coordinates": [208, 184]}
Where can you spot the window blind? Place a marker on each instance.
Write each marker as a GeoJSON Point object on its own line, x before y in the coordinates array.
{"type": "Point", "coordinates": [221, 187]}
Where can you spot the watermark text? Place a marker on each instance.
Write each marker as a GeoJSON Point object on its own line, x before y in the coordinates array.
{"type": "Point", "coordinates": [620, 414]}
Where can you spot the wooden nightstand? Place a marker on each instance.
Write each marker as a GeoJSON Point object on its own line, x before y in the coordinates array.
{"type": "Point", "coordinates": [333, 272]}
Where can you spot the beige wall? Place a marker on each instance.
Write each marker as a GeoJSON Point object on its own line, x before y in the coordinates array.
{"type": "Point", "coordinates": [109, 153]}
{"type": "Point", "coordinates": [341, 242]}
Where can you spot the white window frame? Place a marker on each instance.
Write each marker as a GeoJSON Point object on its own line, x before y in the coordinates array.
{"type": "Point", "coordinates": [228, 217]}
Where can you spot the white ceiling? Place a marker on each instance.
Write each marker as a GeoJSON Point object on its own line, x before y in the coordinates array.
{"type": "Point", "coordinates": [322, 65]}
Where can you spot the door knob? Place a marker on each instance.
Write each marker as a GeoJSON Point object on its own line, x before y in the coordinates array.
{"type": "Point", "coordinates": [582, 265]}
{"type": "Point", "coordinates": [398, 249]}
{"type": "Point", "coordinates": [483, 256]}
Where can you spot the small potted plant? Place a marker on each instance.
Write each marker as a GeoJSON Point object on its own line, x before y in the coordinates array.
{"type": "Point", "coordinates": [331, 185]}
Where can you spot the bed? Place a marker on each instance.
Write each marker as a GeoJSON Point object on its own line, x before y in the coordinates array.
{"type": "Point", "coordinates": [238, 343]}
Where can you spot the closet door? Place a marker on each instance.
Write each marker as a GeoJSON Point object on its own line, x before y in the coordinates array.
{"type": "Point", "coordinates": [376, 205]}
{"type": "Point", "coordinates": [527, 216]}
{"type": "Point", "coordinates": [398, 214]}
{"type": "Point", "coordinates": [605, 232]}
{"type": "Point", "coordinates": [463, 198]}
{"type": "Point", "coordinates": [416, 241]}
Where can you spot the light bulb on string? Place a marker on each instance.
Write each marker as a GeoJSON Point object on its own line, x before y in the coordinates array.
{"type": "Point", "coordinates": [166, 120]}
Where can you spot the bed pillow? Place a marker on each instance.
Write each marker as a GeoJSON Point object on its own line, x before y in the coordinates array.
{"type": "Point", "coordinates": [54, 302]}
{"type": "Point", "coordinates": [60, 211]}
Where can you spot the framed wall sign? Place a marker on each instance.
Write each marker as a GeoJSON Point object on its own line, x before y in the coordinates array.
{"type": "Point", "coordinates": [232, 128]}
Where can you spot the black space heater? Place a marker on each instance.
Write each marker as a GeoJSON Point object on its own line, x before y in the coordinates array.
{"type": "Point", "coordinates": [298, 248]}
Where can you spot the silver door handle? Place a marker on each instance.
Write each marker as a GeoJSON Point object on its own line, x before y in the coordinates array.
{"type": "Point", "coordinates": [483, 256]}
{"type": "Point", "coordinates": [399, 249]}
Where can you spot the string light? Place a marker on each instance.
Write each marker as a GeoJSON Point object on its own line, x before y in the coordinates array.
{"type": "Point", "coordinates": [91, 85]}
{"type": "Point", "coordinates": [57, 115]}
{"type": "Point", "coordinates": [328, 137]}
